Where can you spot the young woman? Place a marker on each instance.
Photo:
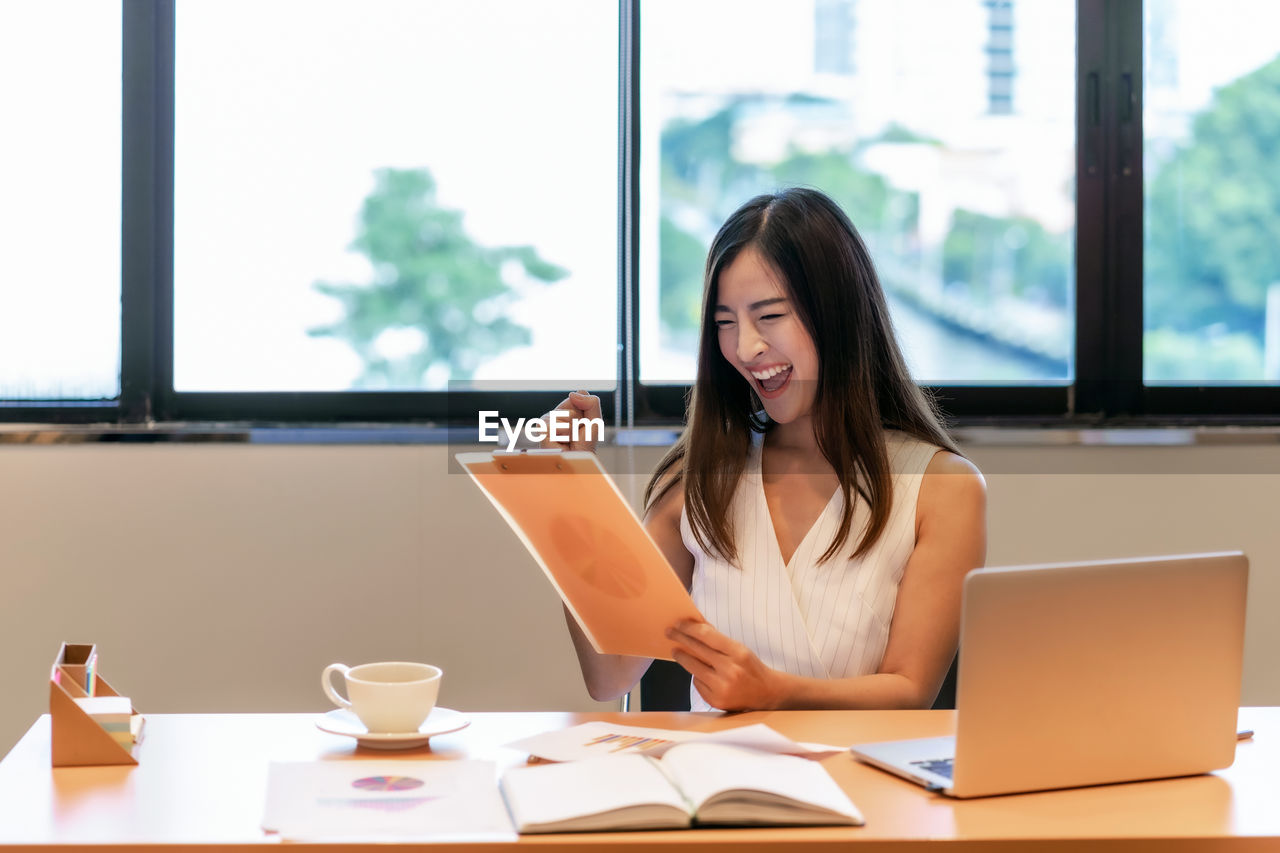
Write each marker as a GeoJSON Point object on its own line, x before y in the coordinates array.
{"type": "Point", "coordinates": [814, 506]}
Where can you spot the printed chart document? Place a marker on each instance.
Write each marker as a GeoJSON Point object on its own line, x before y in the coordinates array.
{"type": "Point", "coordinates": [599, 738]}
{"type": "Point", "coordinates": [385, 801]}
{"type": "Point", "coordinates": [692, 784]}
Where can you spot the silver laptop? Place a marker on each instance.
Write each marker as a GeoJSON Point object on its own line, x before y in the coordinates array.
{"type": "Point", "coordinates": [1088, 673]}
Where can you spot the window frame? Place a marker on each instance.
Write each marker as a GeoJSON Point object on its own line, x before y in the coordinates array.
{"type": "Point", "coordinates": [1108, 387]}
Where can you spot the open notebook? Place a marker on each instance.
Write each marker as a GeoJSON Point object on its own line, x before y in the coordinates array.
{"type": "Point", "coordinates": [692, 784]}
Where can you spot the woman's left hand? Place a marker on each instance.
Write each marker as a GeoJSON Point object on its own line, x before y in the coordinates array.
{"type": "Point", "coordinates": [727, 674]}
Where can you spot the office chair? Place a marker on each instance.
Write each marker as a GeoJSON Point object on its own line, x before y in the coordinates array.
{"type": "Point", "coordinates": [946, 700]}
{"type": "Point", "coordinates": [665, 687]}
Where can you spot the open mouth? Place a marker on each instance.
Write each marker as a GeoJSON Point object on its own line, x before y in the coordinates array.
{"type": "Point", "coordinates": [772, 380]}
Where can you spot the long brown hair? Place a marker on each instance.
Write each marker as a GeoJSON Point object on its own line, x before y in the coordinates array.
{"type": "Point", "coordinates": [863, 385]}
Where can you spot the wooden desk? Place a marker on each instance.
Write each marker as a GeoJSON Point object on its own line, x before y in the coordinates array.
{"type": "Point", "coordinates": [201, 782]}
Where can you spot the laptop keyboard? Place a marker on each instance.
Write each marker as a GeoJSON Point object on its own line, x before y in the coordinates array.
{"type": "Point", "coordinates": [937, 766]}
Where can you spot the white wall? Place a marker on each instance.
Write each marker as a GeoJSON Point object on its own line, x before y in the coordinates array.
{"type": "Point", "coordinates": [223, 577]}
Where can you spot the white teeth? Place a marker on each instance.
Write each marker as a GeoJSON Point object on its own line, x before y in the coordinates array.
{"type": "Point", "coordinates": [772, 371]}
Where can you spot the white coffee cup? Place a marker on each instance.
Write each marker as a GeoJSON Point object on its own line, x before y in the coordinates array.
{"type": "Point", "coordinates": [392, 697]}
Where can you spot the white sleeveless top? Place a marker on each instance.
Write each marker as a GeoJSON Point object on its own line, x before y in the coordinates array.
{"type": "Point", "coordinates": [822, 621]}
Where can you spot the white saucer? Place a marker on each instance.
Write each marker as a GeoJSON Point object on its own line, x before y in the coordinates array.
{"type": "Point", "coordinates": [440, 721]}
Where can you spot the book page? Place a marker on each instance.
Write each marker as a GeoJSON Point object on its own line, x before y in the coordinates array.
{"type": "Point", "coordinates": [549, 797]}
{"type": "Point", "coordinates": [749, 782]}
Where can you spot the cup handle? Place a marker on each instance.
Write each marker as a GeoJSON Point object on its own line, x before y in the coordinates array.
{"type": "Point", "coordinates": [328, 685]}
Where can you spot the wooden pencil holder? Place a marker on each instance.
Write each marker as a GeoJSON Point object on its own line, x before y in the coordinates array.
{"type": "Point", "coordinates": [78, 739]}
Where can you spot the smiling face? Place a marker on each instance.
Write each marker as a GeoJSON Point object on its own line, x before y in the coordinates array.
{"type": "Point", "coordinates": [762, 336]}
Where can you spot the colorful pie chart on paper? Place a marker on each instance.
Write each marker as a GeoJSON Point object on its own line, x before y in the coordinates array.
{"type": "Point", "coordinates": [387, 783]}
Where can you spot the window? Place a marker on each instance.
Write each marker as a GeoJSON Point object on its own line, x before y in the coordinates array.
{"type": "Point", "coordinates": [968, 211]}
{"type": "Point", "coordinates": [1211, 129]}
{"type": "Point", "coordinates": [394, 195]}
{"type": "Point", "coordinates": [330, 210]}
{"type": "Point", "coordinates": [60, 200]}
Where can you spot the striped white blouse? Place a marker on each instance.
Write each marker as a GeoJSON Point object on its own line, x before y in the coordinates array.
{"type": "Point", "coordinates": [823, 621]}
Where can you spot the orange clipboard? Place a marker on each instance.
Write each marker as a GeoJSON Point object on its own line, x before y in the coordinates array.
{"type": "Point", "coordinates": [592, 547]}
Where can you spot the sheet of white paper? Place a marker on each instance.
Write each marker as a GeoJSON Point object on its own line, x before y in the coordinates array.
{"type": "Point", "coordinates": [765, 739]}
{"type": "Point", "coordinates": [604, 738]}
{"type": "Point", "coordinates": [386, 801]}
{"type": "Point", "coordinates": [598, 738]}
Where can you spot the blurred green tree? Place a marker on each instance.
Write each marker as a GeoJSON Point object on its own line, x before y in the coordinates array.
{"type": "Point", "coordinates": [703, 182]}
{"type": "Point", "coordinates": [681, 258]}
{"type": "Point", "coordinates": [697, 169]}
{"type": "Point", "coordinates": [439, 292]}
{"type": "Point", "coordinates": [1172, 356]}
{"type": "Point", "coordinates": [863, 195]}
{"type": "Point", "coordinates": [1212, 215]}
{"type": "Point", "coordinates": [979, 250]}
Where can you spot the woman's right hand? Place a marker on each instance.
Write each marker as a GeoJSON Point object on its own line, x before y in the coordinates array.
{"type": "Point", "coordinates": [581, 407]}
